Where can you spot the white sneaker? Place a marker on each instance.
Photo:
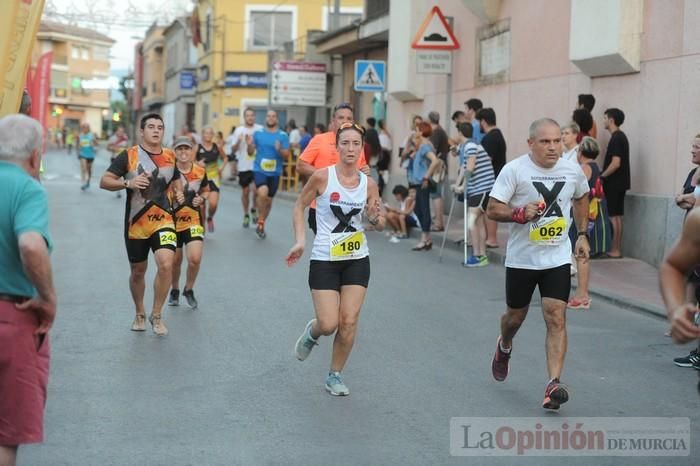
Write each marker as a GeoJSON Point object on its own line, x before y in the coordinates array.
{"type": "Point", "coordinates": [305, 343]}
{"type": "Point", "coordinates": [394, 240]}
{"type": "Point", "coordinates": [335, 385]}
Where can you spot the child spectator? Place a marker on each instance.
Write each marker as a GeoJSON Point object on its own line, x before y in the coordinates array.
{"type": "Point", "coordinates": [402, 218]}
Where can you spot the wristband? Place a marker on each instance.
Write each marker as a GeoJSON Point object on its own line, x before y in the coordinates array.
{"type": "Point", "coordinates": [583, 233]}
{"type": "Point", "coordinates": [518, 215]}
{"type": "Point", "coordinates": [373, 221]}
{"type": "Point", "coordinates": [126, 184]}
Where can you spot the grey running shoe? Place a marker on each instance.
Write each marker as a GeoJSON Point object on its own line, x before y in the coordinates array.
{"type": "Point", "coordinates": [305, 343]}
{"type": "Point", "coordinates": [191, 300]}
{"type": "Point", "coordinates": [335, 385]}
{"type": "Point", "coordinates": [174, 299]}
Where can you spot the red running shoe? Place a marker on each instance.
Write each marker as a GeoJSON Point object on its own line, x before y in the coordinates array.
{"type": "Point", "coordinates": [499, 365]}
{"type": "Point", "coordinates": [555, 395]}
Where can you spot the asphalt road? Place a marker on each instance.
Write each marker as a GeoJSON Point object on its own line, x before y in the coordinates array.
{"type": "Point", "coordinates": [225, 388]}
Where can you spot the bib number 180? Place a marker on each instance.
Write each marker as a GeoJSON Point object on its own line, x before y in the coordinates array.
{"type": "Point", "coordinates": [350, 246]}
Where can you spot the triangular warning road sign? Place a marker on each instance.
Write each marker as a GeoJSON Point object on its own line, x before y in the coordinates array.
{"type": "Point", "coordinates": [435, 33]}
{"type": "Point", "coordinates": [370, 77]}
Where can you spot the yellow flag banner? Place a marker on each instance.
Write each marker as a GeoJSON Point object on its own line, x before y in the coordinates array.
{"type": "Point", "coordinates": [18, 27]}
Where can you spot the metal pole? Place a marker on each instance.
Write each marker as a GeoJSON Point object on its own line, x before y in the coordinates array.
{"type": "Point", "coordinates": [466, 229]}
{"type": "Point", "coordinates": [336, 15]}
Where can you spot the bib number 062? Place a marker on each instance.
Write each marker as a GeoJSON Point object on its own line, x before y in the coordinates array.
{"type": "Point", "coordinates": [551, 231]}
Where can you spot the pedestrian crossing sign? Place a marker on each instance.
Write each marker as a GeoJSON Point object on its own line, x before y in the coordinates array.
{"type": "Point", "coordinates": [370, 75]}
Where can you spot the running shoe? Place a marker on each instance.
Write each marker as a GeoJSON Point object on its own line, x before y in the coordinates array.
{"type": "Point", "coordinates": [159, 327]}
{"type": "Point", "coordinates": [191, 300]}
{"type": "Point", "coordinates": [499, 365]}
{"type": "Point", "coordinates": [305, 343]}
{"type": "Point", "coordinates": [335, 385]}
{"type": "Point", "coordinates": [692, 360]}
{"type": "Point", "coordinates": [139, 324]}
{"type": "Point", "coordinates": [253, 215]}
{"type": "Point", "coordinates": [472, 261]}
{"type": "Point", "coordinates": [84, 187]}
{"type": "Point", "coordinates": [210, 225]}
{"type": "Point", "coordinates": [260, 231]}
{"type": "Point", "coordinates": [483, 261]}
{"type": "Point", "coordinates": [174, 299]}
{"type": "Point", "coordinates": [394, 239]}
{"type": "Point", "coordinates": [246, 221]}
{"type": "Point", "coordinates": [555, 395]}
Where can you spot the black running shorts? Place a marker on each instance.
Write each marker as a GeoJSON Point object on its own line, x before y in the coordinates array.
{"type": "Point", "coordinates": [245, 178]}
{"type": "Point", "coordinates": [553, 283]}
{"type": "Point", "coordinates": [137, 249]}
{"type": "Point", "coordinates": [332, 275]}
{"type": "Point", "coordinates": [189, 235]}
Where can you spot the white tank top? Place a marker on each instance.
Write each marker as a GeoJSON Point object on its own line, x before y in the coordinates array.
{"type": "Point", "coordinates": [339, 232]}
{"type": "Point", "coordinates": [412, 215]}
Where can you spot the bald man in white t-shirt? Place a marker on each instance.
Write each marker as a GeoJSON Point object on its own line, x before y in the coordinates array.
{"type": "Point", "coordinates": [534, 193]}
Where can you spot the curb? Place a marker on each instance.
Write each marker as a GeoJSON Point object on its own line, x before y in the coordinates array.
{"type": "Point", "coordinates": [497, 256]}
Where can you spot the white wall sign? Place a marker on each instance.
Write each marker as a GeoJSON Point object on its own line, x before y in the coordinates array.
{"type": "Point", "coordinates": [434, 61]}
{"type": "Point", "coordinates": [298, 83]}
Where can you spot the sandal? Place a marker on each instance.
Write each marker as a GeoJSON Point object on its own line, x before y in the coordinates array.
{"type": "Point", "coordinates": [576, 303]}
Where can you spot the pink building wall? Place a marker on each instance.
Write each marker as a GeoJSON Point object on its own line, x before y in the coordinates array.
{"type": "Point", "coordinates": [661, 102]}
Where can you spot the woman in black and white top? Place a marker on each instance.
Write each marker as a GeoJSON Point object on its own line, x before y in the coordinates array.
{"type": "Point", "coordinates": [339, 269]}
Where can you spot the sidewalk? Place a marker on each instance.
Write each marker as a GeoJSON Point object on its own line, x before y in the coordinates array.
{"type": "Point", "coordinates": [627, 283]}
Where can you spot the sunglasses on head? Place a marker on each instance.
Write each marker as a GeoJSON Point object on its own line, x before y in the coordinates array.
{"type": "Point", "coordinates": [345, 126]}
{"type": "Point", "coordinates": [344, 105]}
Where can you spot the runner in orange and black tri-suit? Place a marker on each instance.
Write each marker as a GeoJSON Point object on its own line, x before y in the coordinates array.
{"type": "Point", "coordinates": [146, 171]}
{"type": "Point", "coordinates": [188, 220]}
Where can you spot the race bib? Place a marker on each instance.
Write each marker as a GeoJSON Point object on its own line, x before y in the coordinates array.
{"type": "Point", "coordinates": [168, 238]}
{"type": "Point", "coordinates": [197, 231]}
{"type": "Point", "coordinates": [550, 231]}
{"type": "Point", "coordinates": [346, 246]}
{"type": "Point", "coordinates": [268, 165]}
{"type": "Point", "coordinates": [84, 142]}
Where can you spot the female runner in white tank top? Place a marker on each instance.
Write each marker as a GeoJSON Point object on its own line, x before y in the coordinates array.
{"type": "Point", "coordinates": [339, 269]}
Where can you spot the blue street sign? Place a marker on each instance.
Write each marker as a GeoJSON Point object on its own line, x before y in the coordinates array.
{"type": "Point", "coordinates": [370, 75]}
{"type": "Point", "coordinates": [187, 80]}
{"type": "Point", "coordinates": [246, 79]}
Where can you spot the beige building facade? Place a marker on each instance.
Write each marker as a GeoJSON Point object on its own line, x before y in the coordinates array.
{"type": "Point", "coordinates": [79, 89]}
